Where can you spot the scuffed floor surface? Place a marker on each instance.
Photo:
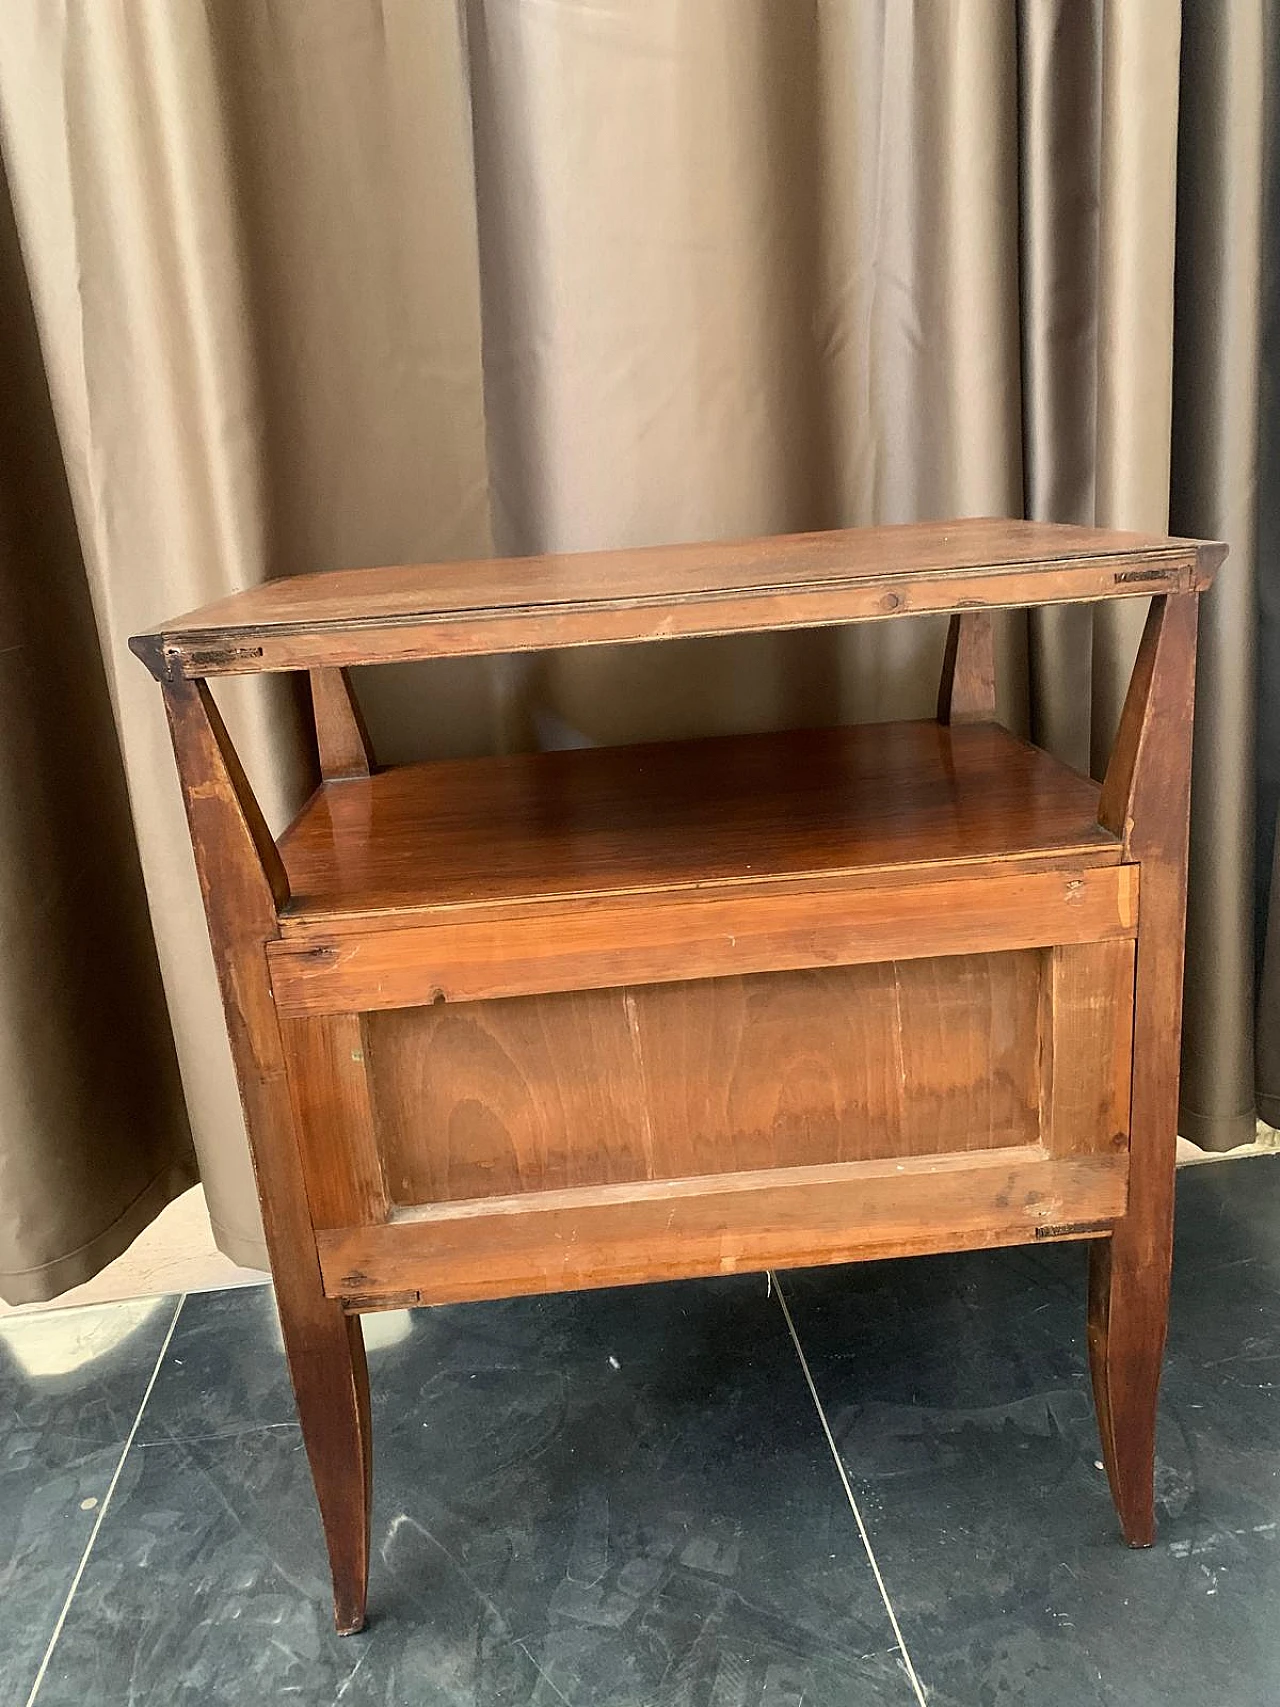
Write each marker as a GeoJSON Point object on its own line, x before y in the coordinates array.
{"type": "Point", "coordinates": [632, 1498]}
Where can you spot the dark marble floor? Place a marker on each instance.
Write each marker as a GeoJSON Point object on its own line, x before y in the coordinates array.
{"type": "Point", "coordinates": [630, 1497]}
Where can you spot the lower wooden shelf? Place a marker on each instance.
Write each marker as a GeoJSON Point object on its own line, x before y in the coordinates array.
{"type": "Point", "coordinates": [483, 836]}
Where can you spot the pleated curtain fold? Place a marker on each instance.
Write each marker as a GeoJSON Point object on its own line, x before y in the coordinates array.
{"type": "Point", "coordinates": [291, 287]}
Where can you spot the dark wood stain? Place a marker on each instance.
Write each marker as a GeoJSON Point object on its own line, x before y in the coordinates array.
{"type": "Point", "coordinates": [584, 1019]}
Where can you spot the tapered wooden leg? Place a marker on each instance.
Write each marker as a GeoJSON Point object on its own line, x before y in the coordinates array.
{"type": "Point", "coordinates": [330, 1378]}
{"type": "Point", "coordinates": [1145, 802]}
{"type": "Point", "coordinates": [244, 884]}
{"type": "Point", "coordinates": [1128, 1309]}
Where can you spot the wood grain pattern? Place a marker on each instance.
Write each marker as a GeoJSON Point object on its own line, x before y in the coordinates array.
{"type": "Point", "coordinates": [360, 616]}
{"type": "Point", "coordinates": [497, 1097]}
{"type": "Point", "coordinates": [239, 851]}
{"type": "Point", "coordinates": [967, 691]}
{"type": "Point", "coordinates": [666, 1081]}
{"type": "Point", "coordinates": [1087, 1035]}
{"type": "Point", "coordinates": [326, 1059]}
{"type": "Point", "coordinates": [1146, 799]}
{"type": "Point", "coordinates": [727, 1223]}
{"type": "Point", "coordinates": [242, 884]}
{"type": "Point", "coordinates": [342, 739]}
{"type": "Point", "coordinates": [630, 942]}
{"type": "Point", "coordinates": [486, 833]}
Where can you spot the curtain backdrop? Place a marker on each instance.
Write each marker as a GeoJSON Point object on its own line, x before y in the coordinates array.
{"type": "Point", "coordinates": [288, 287]}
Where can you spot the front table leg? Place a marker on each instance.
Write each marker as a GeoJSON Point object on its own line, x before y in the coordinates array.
{"type": "Point", "coordinates": [244, 886]}
{"type": "Point", "coordinates": [325, 1349]}
{"type": "Point", "coordinates": [1146, 801]}
{"type": "Point", "coordinates": [1128, 1309]}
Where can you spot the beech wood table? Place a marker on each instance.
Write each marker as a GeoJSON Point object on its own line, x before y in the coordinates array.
{"type": "Point", "coordinates": [573, 1019]}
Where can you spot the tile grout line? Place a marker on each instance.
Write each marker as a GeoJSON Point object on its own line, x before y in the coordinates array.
{"type": "Point", "coordinates": [105, 1506]}
{"type": "Point", "coordinates": [849, 1495]}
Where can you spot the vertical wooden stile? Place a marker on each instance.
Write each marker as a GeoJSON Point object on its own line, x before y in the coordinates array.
{"type": "Point", "coordinates": [243, 883]}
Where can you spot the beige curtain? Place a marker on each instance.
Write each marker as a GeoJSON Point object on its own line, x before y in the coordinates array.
{"type": "Point", "coordinates": [293, 286]}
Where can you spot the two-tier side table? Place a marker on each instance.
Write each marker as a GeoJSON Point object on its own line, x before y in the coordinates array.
{"type": "Point", "coordinates": [571, 1019]}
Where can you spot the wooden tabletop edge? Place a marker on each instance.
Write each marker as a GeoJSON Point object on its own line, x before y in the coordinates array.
{"type": "Point", "coordinates": [1210, 554]}
{"type": "Point", "coordinates": [150, 647]}
{"type": "Point", "coordinates": [172, 649]}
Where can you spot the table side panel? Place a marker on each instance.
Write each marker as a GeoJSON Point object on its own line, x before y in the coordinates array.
{"type": "Point", "coordinates": [514, 1134]}
{"type": "Point", "coordinates": [669, 1081]}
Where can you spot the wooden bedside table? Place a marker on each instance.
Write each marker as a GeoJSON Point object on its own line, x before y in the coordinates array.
{"type": "Point", "coordinates": [583, 1018]}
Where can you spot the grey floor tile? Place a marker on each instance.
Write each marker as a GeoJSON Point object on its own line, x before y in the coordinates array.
{"type": "Point", "coordinates": [958, 1394]}
{"type": "Point", "coordinates": [71, 1382]}
{"type": "Point", "coordinates": [608, 1498]}
{"type": "Point", "coordinates": [223, 1371]}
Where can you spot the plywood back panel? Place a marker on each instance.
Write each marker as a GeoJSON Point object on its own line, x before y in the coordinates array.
{"type": "Point", "coordinates": [838, 1064]}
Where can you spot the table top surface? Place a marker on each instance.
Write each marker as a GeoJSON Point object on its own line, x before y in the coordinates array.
{"type": "Point", "coordinates": [353, 616]}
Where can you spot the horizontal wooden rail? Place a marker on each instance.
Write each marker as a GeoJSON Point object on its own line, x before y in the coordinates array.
{"type": "Point", "coordinates": [600, 947]}
{"type": "Point", "coordinates": [617, 1234]}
